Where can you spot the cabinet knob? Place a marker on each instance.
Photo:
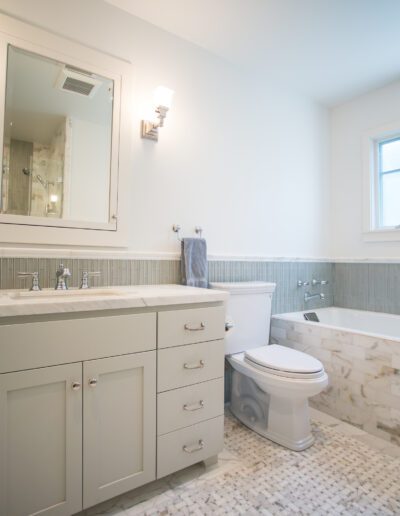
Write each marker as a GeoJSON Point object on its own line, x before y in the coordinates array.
{"type": "Point", "coordinates": [92, 382]}
{"type": "Point", "coordinates": [76, 386]}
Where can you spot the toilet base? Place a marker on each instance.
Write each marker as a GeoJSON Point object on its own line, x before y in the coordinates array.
{"type": "Point", "coordinates": [282, 420]}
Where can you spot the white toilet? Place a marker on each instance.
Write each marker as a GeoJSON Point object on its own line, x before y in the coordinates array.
{"type": "Point", "coordinates": [271, 384]}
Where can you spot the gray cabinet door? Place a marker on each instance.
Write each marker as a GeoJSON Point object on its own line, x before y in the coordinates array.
{"type": "Point", "coordinates": [119, 429]}
{"type": "Point", "coordinates": [41, 441]}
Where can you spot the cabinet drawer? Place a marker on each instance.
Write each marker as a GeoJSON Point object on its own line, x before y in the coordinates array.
{"type": "Point", "coordinates": [188, 326]}
{"type": "Point", "coordinates": [187, 365]}
{"type": "Point", "coordinates": [187, 446]}
{"type": "Point", "coordinates": [189, 405]}
{"type": "Point", "coordinates": [40, 344]}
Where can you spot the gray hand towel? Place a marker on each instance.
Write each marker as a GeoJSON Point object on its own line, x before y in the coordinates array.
{"type": "Point", "coordinates": [194, 267]}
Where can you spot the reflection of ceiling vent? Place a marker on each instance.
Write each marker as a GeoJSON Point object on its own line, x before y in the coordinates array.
{"type": "Point", "coordinates": [77, 81]}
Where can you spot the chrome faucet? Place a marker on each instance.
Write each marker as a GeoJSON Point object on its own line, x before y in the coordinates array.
{"type": "Point", "coordinates": [308, 297]}
{"type": "Point", "coordinates": [85, 278]}
{"type": "Point", "coordinates": [62, 273]}
{"type": "Point", "coordinates": [35, 287]}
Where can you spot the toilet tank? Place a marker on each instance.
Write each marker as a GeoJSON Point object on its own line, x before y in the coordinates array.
{"type": "Point", "coordinates": [249, 310]}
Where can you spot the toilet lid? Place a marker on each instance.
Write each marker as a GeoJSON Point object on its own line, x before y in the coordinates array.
{"type": "Point", "coordinates": [281, 359]}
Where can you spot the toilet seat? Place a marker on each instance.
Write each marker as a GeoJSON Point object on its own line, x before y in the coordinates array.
{"type": "Point", "coordinates": [284, 361]}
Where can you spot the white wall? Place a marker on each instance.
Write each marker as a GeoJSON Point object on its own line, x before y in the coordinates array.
{"type": "Point", "coordinates": [89, 182]}
{"type": "Point", "coordinates": [247, 161]}
{"type": "Point", "coordinates": [350, 122]}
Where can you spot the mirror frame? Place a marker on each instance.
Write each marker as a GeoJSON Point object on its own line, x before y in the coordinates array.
{"type": "Point", "coordinates": [43, 230]}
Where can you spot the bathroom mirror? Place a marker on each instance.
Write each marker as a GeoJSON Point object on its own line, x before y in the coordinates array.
{"type": "Point", "coordinates": [57, 140]}
{"type": "Point", "coordinates": [65, 140]}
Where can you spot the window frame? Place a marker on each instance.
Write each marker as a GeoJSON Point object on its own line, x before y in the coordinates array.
{"type": "Point", "coordinates": [380, 174]}
{"type": "Point", "coordinates": [373, 231]}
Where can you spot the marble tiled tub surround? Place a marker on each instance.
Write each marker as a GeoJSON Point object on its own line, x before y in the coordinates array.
{"type": "Point", "coordinates": [364, 373]}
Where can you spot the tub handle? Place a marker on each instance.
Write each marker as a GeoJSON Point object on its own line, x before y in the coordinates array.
{"type": "Point", "coordinates": [315, 282]}
{"type": "Point", "coordinates": [303, 283]}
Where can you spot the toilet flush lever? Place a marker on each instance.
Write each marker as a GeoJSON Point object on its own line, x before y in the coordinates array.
{"type": "Point", "coordinates": [229, 325]}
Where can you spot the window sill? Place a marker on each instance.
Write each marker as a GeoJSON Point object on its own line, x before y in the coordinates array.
{"type": "Point", "coordinates": [382, 235]}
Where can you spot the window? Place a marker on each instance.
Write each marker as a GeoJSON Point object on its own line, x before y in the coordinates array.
{"type": "Point", "coordinates": [388, 183]}
{"type": "Point", "coordinates": [381, 185]}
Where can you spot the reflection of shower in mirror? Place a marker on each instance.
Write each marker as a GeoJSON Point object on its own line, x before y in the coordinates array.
{"type": "Point", "coordinates": [44, 182]}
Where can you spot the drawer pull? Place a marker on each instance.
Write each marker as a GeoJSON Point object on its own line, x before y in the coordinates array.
{"type": "Point", "coordinates": [200, 365]}
{"type": "Point", "coordinates": [194, 406]}
{"type": "Point", "coordinates": [192, 449]}
{"type": "Point", "coordinates": [194, 328]}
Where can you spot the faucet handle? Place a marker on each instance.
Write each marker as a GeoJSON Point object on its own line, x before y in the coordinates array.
{"type": "Point", "coordinates": [85, 278]}
{"type": "Point", "coordinates": [303, 283]}
{"type": "Point", "coordinates": [35, 279]}
{"type": "Point", "coordinates": [63, 271]}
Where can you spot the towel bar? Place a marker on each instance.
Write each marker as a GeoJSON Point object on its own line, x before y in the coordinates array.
{"type": "Point", "coordinates": [176, 229]}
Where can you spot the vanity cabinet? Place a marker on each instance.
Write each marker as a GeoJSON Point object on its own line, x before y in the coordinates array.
{"type": "Point", "coordinates": [92, 406]}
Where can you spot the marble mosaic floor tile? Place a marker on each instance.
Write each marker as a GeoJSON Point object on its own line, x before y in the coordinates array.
{"type": "Point", "coordinates": [339, 475]}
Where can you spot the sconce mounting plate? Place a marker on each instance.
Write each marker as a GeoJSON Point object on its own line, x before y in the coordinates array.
{"type": "Point", "coordinates": [149, 130]}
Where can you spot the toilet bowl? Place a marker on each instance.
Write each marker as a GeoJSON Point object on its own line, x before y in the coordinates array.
{"type": "Point", "coordinates": [281, 396]}
{"type": "Point", "coordinates": [271, 384]}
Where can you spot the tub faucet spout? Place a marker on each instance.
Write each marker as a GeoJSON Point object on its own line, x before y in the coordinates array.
{"type": "Point", "coordinates": [308, 297]}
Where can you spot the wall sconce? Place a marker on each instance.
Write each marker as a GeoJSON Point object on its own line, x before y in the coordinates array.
{"type": "Point", "coordinates": [162, 101]}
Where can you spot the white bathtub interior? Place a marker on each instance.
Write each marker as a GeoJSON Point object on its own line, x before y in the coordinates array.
{"type": "Point", "coordinates": [372, 323]}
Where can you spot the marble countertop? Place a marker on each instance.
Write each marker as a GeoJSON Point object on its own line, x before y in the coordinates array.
{"type": "Point", "coordinates": [49, 301]}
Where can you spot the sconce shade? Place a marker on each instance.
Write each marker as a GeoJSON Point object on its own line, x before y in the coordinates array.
{"type": "Point", "coordinates": [163, 97]}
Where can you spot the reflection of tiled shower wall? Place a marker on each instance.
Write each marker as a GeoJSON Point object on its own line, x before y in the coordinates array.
{"type": "Point", "coordinates": [40, 165]}
{"type": "Point", "coordinates": [48, 162]}
{"type": "Point", "coordinates": [5, 173]}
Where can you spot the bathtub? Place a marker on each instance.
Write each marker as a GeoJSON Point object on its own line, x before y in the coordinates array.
{"type": "Point", "coordinates": [360, 351]}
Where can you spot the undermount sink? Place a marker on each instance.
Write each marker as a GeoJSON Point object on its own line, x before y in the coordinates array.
{"type": "Point", "coordinates": [49, 293]}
